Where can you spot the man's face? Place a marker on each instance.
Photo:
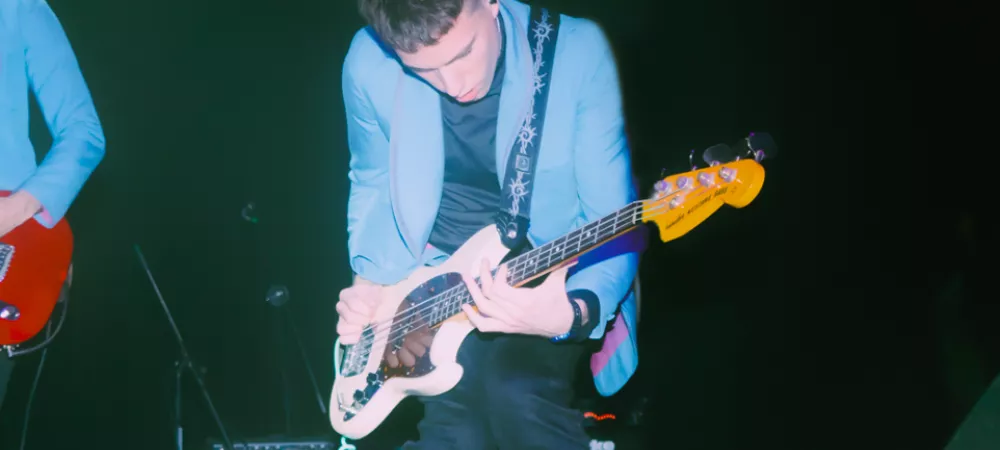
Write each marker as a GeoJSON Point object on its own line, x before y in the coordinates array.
{"type": "Point", "coordinates": [463, 62]}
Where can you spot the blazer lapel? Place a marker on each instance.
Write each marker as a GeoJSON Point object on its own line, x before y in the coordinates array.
{"type": "Point", "coordinates": [416, 160]}
{"type": "Point", "coordinates": [416, 142]}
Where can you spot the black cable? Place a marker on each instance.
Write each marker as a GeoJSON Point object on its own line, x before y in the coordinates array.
{"type": "Point", "coordinates": [34, 387]}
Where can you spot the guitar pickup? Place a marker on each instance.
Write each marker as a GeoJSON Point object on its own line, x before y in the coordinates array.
{"type": "Point", "coordinates": [6, 255]}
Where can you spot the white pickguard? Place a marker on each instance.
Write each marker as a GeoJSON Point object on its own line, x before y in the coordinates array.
{"type": "Point", "coordinates": [443, 351]}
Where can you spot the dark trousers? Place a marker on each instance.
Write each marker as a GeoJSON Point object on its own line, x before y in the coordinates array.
{"type": "Point", "coordinates": [515, 394]}
{"type": "Point", "coordinates": [6, 368]}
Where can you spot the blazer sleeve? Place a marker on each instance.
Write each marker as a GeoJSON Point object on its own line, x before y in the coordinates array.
{"type": "Point", "coordinates": [370, 219]}
{"type": "Point", "coordinates": [604, 173]}
{"type": "Point", "coordinates": [65, 101]}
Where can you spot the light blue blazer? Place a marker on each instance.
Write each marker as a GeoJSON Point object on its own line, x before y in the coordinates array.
{"type": "Point", "coordinates": [583, 171]}
{"type": "Point", "coordinates": [35, 56]}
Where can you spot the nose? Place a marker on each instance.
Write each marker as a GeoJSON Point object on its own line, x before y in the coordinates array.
{"type": "Point", "coordinates": [452, 83]}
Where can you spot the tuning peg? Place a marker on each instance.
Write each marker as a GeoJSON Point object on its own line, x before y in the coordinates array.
{"type": "Point", "coordinates": [718, 154]}
{"type": "Point", "coordinates": [762, 146]}
{"type": "Point", "coordinates": [691, 160]}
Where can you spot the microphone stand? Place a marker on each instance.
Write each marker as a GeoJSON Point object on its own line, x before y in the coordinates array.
{"type": "Point", "coordinates": [277, 297]}
{"type": "Point", "coordinates": [184, 362]}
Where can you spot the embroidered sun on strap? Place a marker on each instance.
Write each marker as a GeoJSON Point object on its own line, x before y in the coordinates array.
{"type": "Point", "coordinates": [515, 209]}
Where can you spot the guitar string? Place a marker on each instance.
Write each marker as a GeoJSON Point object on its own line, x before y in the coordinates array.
{"type": "Point", "coordinates": [446, 298]}
{"type": "Point", "coordinates": [651, 205]}
{"type": "Point", "coordinates": [365, 353]}
{"type": "Point", "coordinates": [449, 295]}
{"type": "Point", "coordinates": [516, 263]}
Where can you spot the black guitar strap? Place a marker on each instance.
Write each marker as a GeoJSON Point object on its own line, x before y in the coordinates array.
{"type": "Point", "coordinates": [515, 203]}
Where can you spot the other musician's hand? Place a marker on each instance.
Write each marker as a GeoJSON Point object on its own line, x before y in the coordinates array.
{"type": "Point", "coordinates": [15, 210]}
{"type": "Point", "coordinates": [542, 311]}
{"type": "Point", "coordinates": [356, 309]}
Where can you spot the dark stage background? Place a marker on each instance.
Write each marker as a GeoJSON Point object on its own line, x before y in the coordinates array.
{"type": "Point", "coordinates": [804, 321]}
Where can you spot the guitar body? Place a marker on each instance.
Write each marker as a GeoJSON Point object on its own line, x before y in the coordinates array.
{"type": "Point", "coordinates": [382, 386]}
{"type": "Point", "coordinates": [34, 264]}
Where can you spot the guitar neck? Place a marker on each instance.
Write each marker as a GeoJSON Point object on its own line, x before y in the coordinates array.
{"type": "Point", "coordinates": [554, 254]}
{"type": "Point", "coordinates": [544, 259]}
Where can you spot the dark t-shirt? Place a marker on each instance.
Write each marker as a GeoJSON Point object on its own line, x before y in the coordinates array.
{"type": "Point", "coordinates": [471, 194]}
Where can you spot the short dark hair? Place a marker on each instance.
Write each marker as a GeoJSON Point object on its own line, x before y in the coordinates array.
{"type": "Point", "coordinates": [408, 25]}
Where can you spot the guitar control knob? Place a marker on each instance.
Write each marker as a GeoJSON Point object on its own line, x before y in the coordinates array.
{"type": "Point", "coordinates": [9, 312]}
{"type": "Point", "coordinates": [359, 396]}
{"type": "Point", "coordinates": [372, 378]}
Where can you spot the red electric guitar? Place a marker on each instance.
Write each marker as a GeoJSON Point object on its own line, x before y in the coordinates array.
{"type": "Point", "coordinates": [34, 264]}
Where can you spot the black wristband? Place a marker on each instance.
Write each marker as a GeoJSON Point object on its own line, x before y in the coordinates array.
{"type": "Point", "coordinates": [579, 332]}
{"type": "Point", "coordinates": [593, 310]}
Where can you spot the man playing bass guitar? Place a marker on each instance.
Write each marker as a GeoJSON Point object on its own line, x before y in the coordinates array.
{"type": "Point", "coordinates": [35, 54]}
{"type": "Point", "coordinates": [438, 95]}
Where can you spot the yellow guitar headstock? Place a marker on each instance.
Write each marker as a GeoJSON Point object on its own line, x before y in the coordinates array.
{"type": "Point", "coordinates": [683, 201]}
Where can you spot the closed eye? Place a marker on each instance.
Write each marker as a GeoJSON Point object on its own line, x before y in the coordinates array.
{"type": "Point", "coordinates": [462, 54]}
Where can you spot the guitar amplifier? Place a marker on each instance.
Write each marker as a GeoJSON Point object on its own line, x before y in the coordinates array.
{"type": "Point", "coordinates": [279, 444]}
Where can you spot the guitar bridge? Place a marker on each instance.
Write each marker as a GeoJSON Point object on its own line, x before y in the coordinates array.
{"type": "Point", "coordinates": [359, 399]}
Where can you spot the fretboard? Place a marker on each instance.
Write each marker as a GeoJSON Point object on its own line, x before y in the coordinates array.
{"type": "Point", "coordinates": [541, 260]}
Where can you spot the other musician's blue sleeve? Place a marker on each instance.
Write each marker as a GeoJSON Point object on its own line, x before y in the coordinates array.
{"type": "Point", "coordinates": [604, 172]}
{"type": "Point", "coordinates": [77, 137]}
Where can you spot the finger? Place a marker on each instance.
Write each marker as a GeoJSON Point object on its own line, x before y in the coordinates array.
{"type": "Point", "coordinates": [346, 315]}
{"type": "Point", "coordinates": [347, 293]}
{"type": "Point", "coordinates": [503, 291]}
{"type": "Point", "coordinates": [391, 359]}
{"type": "Point", "coordinates": [484, 324]}
{"type": "Point", "coordinates": [347, 337]}
{"type": "Point", "coordinates": [426, 339]}
{"type": "Point", "coordinates": [361, 294]}
{"type": "Point", "coordinates": [479, 298]}
{"type": "Point", "coordinates": [351, 317]}
{"type": "Point", "coordinates": [345, 328]}
{"type": "Point", "coordinates": [370, 295]}
{"type": "Point", "coordinates": [360, 307]}
{"type": "Point", "coordinates": [485, 278]}
{"type": "Point", "coordinates": [474, 290]}
{"type": "Point", "coordinates": [406, 357]}
{"type": "Point", "coordinates": [342, 308]}
{"type": "Point", "coordinates": [500, 284]}
{"type": "Point", "coordinates": [414, 346]}
{"type": "Point", "coordinates": [493, 309]}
